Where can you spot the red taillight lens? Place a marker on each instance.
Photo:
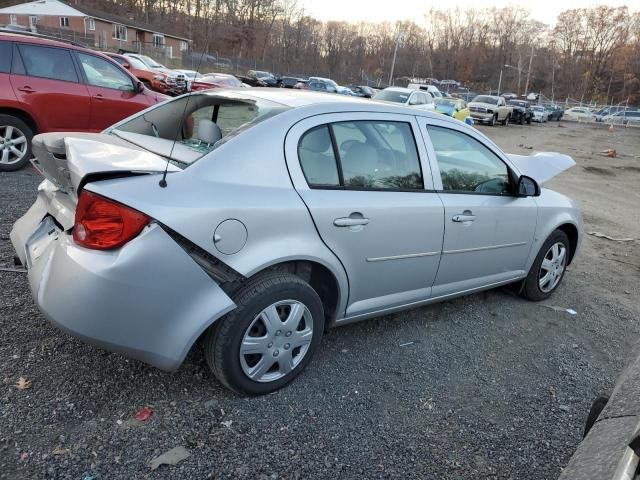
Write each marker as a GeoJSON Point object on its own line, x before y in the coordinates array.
{"type": "Point", "coordinates": [103, 224]}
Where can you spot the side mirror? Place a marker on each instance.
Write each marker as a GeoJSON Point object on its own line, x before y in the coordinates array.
{"type": "Point", "coordinates": [139, 87]}
{"type": "Point", "coordinates": [528, 187]}
{"type": "Point", "coordinates": [127, 66]}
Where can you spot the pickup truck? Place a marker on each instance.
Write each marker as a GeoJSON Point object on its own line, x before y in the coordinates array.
{"type": "Point", "coordinates": [490, 109]}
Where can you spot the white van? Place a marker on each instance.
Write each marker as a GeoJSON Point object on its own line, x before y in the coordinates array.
{"type": "Point", "coordinates": [435, 93]}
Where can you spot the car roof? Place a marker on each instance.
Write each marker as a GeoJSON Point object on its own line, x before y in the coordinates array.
{"type": "Point", "coordinates": [17, 37]}
{"type": "Point", "coordinates": [298, 99]}
{"type": "Point", "coordinates": [401, 89]}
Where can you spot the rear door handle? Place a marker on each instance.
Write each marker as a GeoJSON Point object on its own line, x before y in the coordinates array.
{"type": "Point", "coordinates": [26, 89]}
{"type": "Point", "coordinates": [466, 216]}
{"type": "Point", "coordinates": [350, 221]}
{"type": "Point", "coordinates": [98, 96]}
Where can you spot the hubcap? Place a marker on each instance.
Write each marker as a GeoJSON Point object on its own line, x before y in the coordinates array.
{"type": "Point", "coordinates": [13, 145]}
{"type": "Point", "coordinates": [552, 268]}
{"type": "Point", "coordinates": [276, 341]}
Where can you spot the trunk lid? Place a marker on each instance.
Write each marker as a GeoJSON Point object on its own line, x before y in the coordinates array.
{"type": "Point", "coordinates": [67, 159]}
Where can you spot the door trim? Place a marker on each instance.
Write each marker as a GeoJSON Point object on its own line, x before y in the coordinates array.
{"type": "Point", "coordinates": [399, 257]}
{"type": "Point", "coordinates": [489, 247]}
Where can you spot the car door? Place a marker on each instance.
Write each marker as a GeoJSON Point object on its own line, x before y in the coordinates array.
{"type": "Point", "coordinates": [114, 95]}
{"type": "Point", "coordinates": [46, 81]}
{"type": "Point", "coordinates": [488, 231]}
{"type": "Point", "coordinates": [362, 179]}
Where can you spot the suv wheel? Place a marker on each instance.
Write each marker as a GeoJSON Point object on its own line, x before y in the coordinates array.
{"type": "Point", "coordinates": [269, 338]}
{"type": "Point", "coordinates": [15, 143]}
{"type": "Point", "coordinates": [548, 268]}
{"type": "Point", "coordinates": [493, 120]}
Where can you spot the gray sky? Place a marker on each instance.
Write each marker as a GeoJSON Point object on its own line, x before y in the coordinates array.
{"type": "Point", "coordinates": [391, 10]}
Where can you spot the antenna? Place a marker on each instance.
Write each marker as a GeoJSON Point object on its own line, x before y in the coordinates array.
{"type": "Point", "coordinates": [163, 180]}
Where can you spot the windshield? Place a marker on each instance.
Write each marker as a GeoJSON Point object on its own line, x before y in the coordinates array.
{"type": "Point", "coordinates": [538, 109]}
{"type": "Point", "coordinates": [220, 80]}
{"type": "Point", "coordinates": [151, 62]}
{"type": "Point", "coordinates": [263, 75]}
{"type": "Point", "coordinates": [392, 96]}
{"type": "Point", "coordinates": [446, 102]}
{"type": "Point", "coordinates": [486, 99]}
{"type": "Point", "coordinates": [197, 124]}
{"type": "Point", "coordinates": [135, 63]}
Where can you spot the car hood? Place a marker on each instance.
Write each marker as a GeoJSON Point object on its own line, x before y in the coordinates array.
{"type": "Point", "coordinates": [67, 159]}
{"type": "Point", "coordinates": [481, 105]}
{"type": "Point", "coordinates": [542, 166]}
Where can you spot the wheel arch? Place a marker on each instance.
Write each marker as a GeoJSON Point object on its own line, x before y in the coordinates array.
{"type": "Point", "coordinates": [22, 115]}
{"type": "Point", "coordinates": [572, 233]}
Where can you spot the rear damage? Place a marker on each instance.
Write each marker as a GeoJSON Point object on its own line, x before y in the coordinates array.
{"type": "Point", "coordinates": [147, 299]}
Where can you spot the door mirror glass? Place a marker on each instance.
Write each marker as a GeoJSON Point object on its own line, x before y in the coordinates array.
{"type": "Point", "coordinates": [528, 187]}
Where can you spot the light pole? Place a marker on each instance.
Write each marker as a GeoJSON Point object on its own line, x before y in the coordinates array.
{"type": "Point", "coordinates": [526, 87]}
{"type": "Point", "coordinates": [395, 52]}
{"type": "Point", "coordinates": [500, 81]}
{"type": "Point", "coordinates": [553, 77]}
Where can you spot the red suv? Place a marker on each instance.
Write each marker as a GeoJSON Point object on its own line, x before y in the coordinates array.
{"type": "Point", "coordinates": [49, 86]}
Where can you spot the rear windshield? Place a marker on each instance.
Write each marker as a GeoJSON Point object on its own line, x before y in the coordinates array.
{"type": "Point", "coordinates": [392, 96]}
{"type": "Point", "coordinates": [187, 128]}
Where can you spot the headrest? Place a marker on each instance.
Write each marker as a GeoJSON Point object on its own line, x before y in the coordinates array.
{"type": "Point", "coordinates": [208, 131]}
{"type": "Point", "coordinates": [361, 159]}
{"type": "Point", "coordinates": [317, 140]}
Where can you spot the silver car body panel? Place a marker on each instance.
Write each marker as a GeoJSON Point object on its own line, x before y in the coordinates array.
{"type": "Point", "coordinates": [251, 198]}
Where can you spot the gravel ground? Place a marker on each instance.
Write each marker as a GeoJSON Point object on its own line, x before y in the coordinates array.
{"type": "Point", "coordinates": [487, 386]}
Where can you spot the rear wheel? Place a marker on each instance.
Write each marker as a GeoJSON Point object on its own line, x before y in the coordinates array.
{"type": "Point", "coordinates": [529, 121]}
{"type": "Point", "coordinates": [15, 143]}
{"type": "Point", "coordinates": [505, 122]}
{"type": "Point", "coordinates": [549, 267]}
{"type": "Point", "coordinates": [521, 122]}
{"type": "Point", "coordinates": [269, 338]}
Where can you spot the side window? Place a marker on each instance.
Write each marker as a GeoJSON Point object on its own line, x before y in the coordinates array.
{"type": "Point", "coordinates": [466, 165]}
{"type": "Point", "coordinates": [415, 99]}
{"type": "Point", "coordinates": [375, 155]}
{"type": "Point", "coordinates": [317, 158]}
{"type": "Point", "coordinates": [45, 62]}
{"type": "Point", "coordinates": [101, 73]}
{"type": "Point", "coordinates": [5, 56]}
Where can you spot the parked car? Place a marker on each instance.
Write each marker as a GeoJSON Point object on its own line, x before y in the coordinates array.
{"type": "Point", "coordinates": [319, 86]}
{"type": "Point", "coordinates": [579, 113]}
{"type": "Point", "coordinates": [190, 76]}
{"type": "Point", "coordinates": [453, 107]}
{"type": "Point", "coordinates": [490, 109]}
{"type": "Point", "coordinates": [151, 79]}
{"type": "Point", "coordinates": [609, 449]}
{"type": "Point", "coordinates": [628, 117]}
{"type": "Point", "coordinates": [48, 86]}
{"type": "Point", "coordinates": [166, 81]}
{"type": "Point", "coordinates": [466, 96]}
{"type": "Point", "coordinates": [432, 89]}
{"type": "Point", "coordinates": [521, 111]}
{"type": "Point", "coordinates": [216, 80]}
{"type": "Point", "coordinates": [333, 86]}
{"type": "Point", "coordinates": [509, 95]}
{"type": "Point", "coordinates": [257, 78]}
{"type": "Point", "coordinates": [540, 114]}
{"type": "Point", "coordinates": [285, 213]}
{"type": "Point", "coordinates": [289, 82]}
{"type": "Point", "coordinates": [407, 96]}
{"type": "Point", "coordinates": [362, 91]}
{"type": "Point", "coordinates": [555, 112]}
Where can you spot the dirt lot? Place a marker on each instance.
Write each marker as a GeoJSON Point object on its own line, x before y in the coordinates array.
{"type": "Point", "coordinates": [491, 387]}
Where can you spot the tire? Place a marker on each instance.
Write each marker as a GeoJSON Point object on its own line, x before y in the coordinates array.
{"type": "Point", "coordinates": [596, 409]}
{"type": "Point", "coordinates": [529, 121]}
{"type": "Point", "coordinates": [275, 292]}
{"type": "Point", "coordinates": [521, 122]}
{"type": "Point", "coordinates": [13, 129]}
{"type": "Point", "coordinates": [505, 122]}
{"type": "Point", "coordinates": [532, 288]}
{"type": "Point", "coordinates": [493, 120]}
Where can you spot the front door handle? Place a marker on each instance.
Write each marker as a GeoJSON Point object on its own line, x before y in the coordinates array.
{"type": "Point", "coordinates": [351, 221]}
{"type": "Point", "coordinates": [26, 89]}
{"type": "Point", "coordinates": [99, 96]}
{"type": "Point", "coordinates": [466, 216]}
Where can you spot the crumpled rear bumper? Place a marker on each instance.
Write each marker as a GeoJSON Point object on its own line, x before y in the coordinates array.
{"type": "Point", "coordinates": [147, 300]}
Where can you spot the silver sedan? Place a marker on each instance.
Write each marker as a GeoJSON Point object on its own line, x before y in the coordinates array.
{"type": "Point", "coordinates": [254, 220]}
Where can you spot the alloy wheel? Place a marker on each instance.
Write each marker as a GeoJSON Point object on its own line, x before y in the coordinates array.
{"type": "Point", "coordinates": [552, 267]}
{"type": "Point", "coordinates": [13, 145]}
{"type": "Point", "coordinates": [276, 341]}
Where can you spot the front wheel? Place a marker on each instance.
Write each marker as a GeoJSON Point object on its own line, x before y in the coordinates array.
{"type": "Point", "coordinates": [505, 122]}
{"type": "Point", "coordinates": [492, 122]}
{"type": "Point", "coordinates": [548, 268]}
{"type": "Point", "coordinates": [269, 338]}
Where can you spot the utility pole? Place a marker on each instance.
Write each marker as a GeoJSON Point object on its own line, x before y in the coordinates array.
{"type": "Point", "coordinates": [526, 87]}
{"type": "Point", "coordinates": [395, 53]}
{"type": "Point", "coordinates": [500, 82]}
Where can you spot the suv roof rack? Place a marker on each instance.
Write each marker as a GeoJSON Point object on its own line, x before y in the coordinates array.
{"type": "Point", "coordinates": [39, 35]}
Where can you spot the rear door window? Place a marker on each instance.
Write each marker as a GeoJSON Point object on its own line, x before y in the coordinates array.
{"type": "Point", "coordinates": [5, 56]}
{"type": "Point", "coordinates": [369, 155]}
{"type": "Point", "coordinates": [47, 62]}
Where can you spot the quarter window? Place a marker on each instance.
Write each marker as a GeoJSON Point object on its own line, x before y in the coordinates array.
{"type": "Point", "coordinates": [45, 62]}
{"type": "Point", "coordinates": [374, 155]}
{"type": "Point", "coordinates": [101, 73]}
{"type": "Point", "coordinates": [466, 165]}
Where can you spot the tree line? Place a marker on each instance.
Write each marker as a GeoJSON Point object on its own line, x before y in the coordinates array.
{"type": "Point", "coordinates": [590, 54]}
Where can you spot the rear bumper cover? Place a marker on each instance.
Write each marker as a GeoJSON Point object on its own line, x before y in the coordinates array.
{"type": "Point", "coordinates": [147, 300]}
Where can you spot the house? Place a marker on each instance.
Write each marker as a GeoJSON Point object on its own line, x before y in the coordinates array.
{"type": "Point", "coordinates": [94, 28]}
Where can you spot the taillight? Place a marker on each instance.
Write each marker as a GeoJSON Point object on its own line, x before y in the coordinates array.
{"type": "Point", "coordinates": [103, 224]}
